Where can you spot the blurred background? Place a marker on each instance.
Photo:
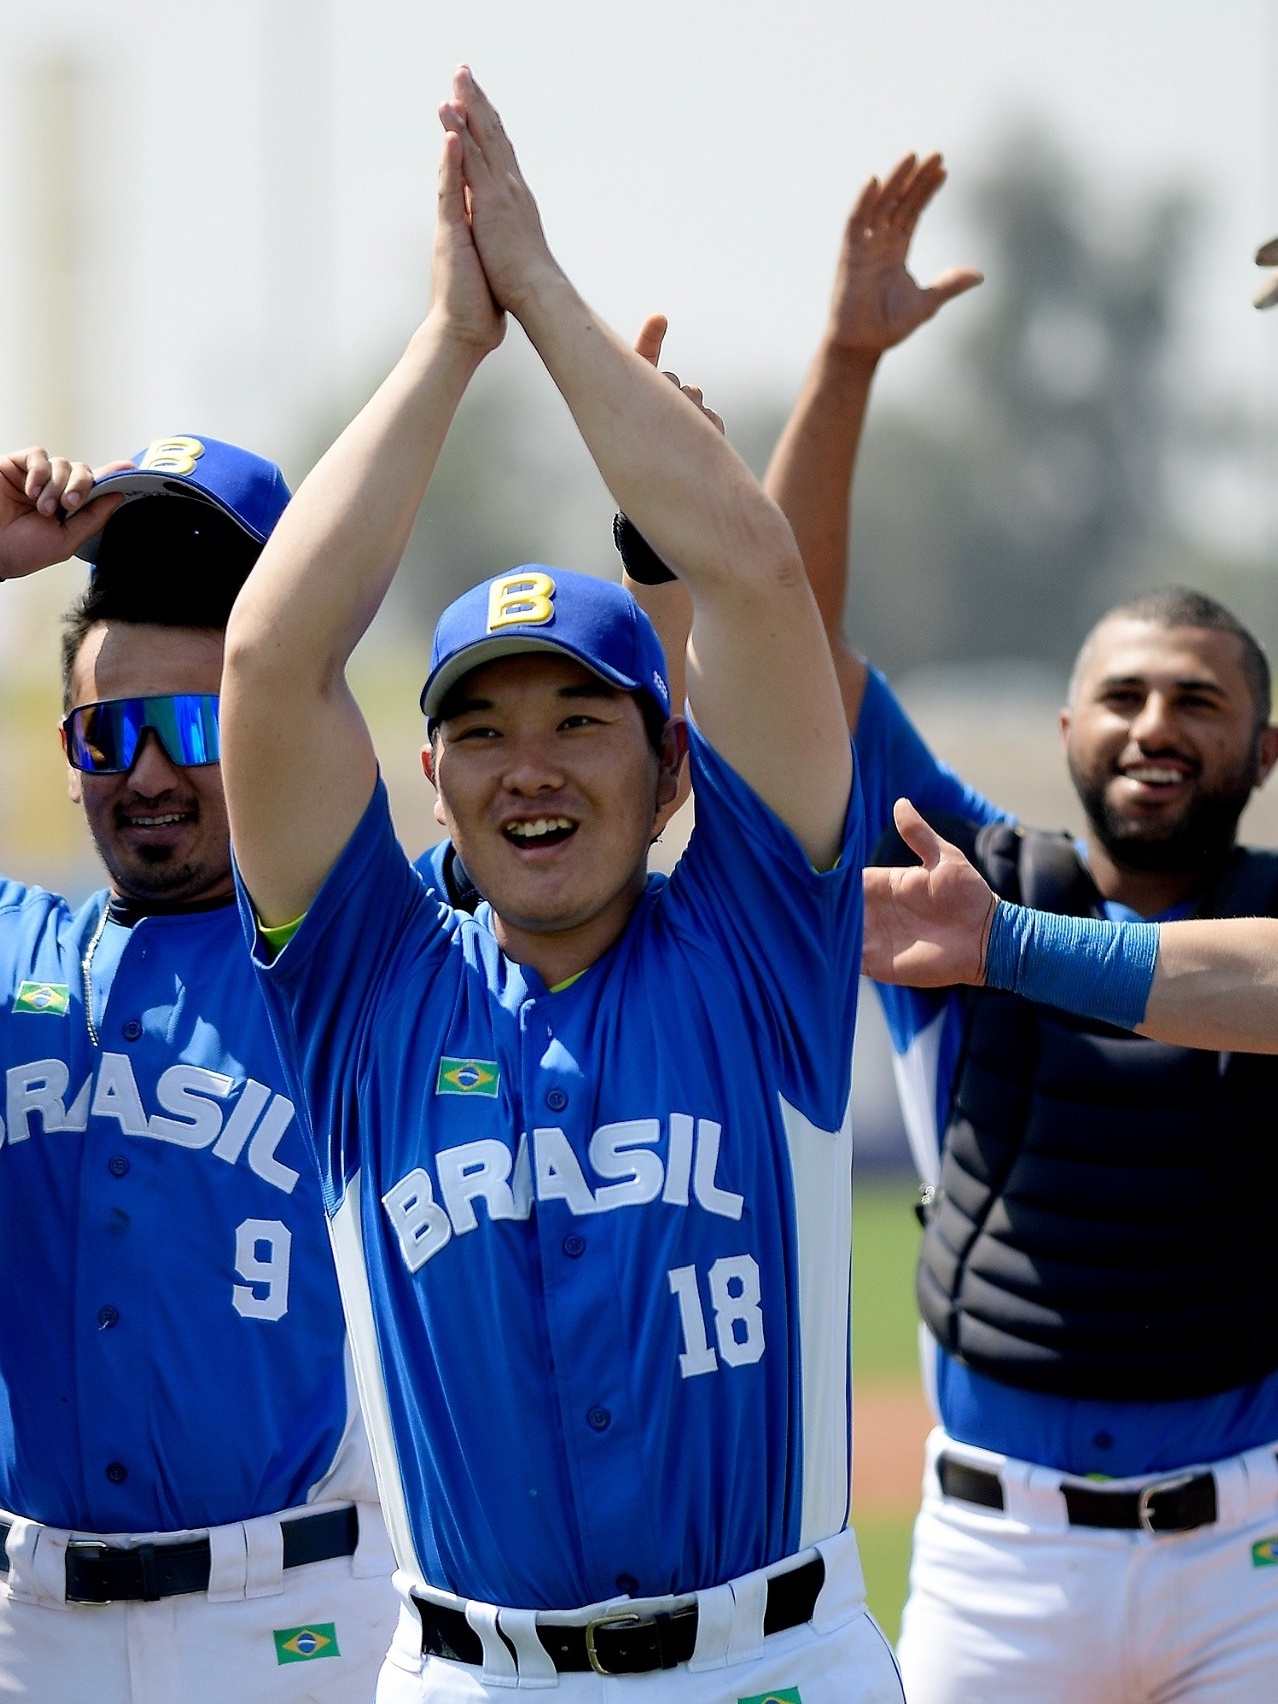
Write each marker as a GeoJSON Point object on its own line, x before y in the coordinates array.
{"type": "Point", "coordinates": [219, 220]}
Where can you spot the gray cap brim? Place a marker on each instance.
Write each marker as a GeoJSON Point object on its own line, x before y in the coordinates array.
{"type": "Point", "coordinates": [132, 483]}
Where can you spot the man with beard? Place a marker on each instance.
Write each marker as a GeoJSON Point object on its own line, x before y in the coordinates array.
{"type": "Point", "coordinates": [187, 1507]}
{"type": "Point", "coordinates": [1162, 807]}
{"type": "Point", "coordinates": [1100, 1515]}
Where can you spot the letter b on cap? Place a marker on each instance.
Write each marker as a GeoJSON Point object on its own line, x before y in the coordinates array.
{"type": "Point", "coordinates": [521, 600]}
{"type": "Point", "coordinates": [172, 455]}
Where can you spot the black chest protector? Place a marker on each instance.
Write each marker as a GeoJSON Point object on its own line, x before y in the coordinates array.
{"type": "Point", "coordinates": [1104, 1223]}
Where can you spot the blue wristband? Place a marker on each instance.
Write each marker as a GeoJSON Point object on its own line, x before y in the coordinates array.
{"type": "Point", "coordinates": [1078, 964]}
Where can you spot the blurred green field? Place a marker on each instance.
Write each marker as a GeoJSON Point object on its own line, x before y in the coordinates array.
{"type": "Point", "coordinates": [884, 1544]}
{"type": "Point", "coordinates": [885, 1241]}
{"type": "Point", "coordinates": [885, 1246]}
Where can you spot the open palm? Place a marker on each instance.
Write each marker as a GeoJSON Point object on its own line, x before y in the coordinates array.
{"type": "Point", "coordinates": [877, 300]}
{"type": "Point", "coordinates": [927, 925]}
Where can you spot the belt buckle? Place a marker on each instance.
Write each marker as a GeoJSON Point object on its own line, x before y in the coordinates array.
{"type": "Point", "coordinates": [1144, 1514]}
{"type": "Point", "coordinates": [102, 1549]}
{"type": "Point", "coordinates": [605, 1621]}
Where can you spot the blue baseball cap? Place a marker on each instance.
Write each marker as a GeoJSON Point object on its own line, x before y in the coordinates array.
{"type": "Point", "coordinates": [245, 488]}
{"type": "Point", "coordinates": [533, 608]}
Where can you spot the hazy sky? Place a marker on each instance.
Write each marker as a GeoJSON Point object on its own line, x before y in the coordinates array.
{"type": "Point", "coordinates": [252, 205]}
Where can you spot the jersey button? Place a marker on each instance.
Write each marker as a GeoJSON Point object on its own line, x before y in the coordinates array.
{"type": "Point", "coordinates": [108, 1316]}
{"type": "Point", "coordinates": [574, 1246]}
{"type": "Point", "coordinates": [599, 1419]}
{"type": "Point", "coordinates": [628, 1584]}
{"type": "Point", "coordinates": [116, 1472]}
{"type": "Point", "coordinates": [117, 1165]}
{"type": "Point", "coordinates": [132, 1030]}
{"type": "Point", "coordinates": [556, 1100]}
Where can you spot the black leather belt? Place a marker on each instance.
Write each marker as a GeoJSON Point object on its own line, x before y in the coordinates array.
{"type": "Point", "coordinates": [622, 1643]}
{"type": "Point", "coordinates": [100, 1573]}
{"type": "Point", "coordinates": [1178, 1503]}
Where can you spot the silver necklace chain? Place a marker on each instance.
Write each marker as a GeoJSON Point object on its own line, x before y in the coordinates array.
{"type": "Point", "coordinates": [86, 966]}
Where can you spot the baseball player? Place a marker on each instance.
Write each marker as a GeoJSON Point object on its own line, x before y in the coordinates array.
{"type": "Point", "coordinates": [187, 1506]}
{"type": "Point", "coordinates": [585, 1153]}
{"type": "Point", "coordinates": [1100, 1515]}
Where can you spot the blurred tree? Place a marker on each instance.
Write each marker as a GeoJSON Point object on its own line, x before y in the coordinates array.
{"type": "Point", "coordinates": [1003, 528]}
{"type": "Point", "coordinates": [484, 502]}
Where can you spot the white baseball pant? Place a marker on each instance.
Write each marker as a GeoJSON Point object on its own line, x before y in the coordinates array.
{"type": "Point", "coordinates": [838, 1657]}
{"type": "Point", "coordinates": [214, 1647]}
{"type": "Point", "coordinates": [1018, 1607]}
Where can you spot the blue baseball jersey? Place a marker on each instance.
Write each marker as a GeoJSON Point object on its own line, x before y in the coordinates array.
{"type": "Point", "coordinates": [594, 1243]}
{"type": "Point", "coordinates": [430, 866]}
{"type": "Point", "coordinates": [172, 1352]}
{"type": "Point", "coordinates": [1118, 1439]}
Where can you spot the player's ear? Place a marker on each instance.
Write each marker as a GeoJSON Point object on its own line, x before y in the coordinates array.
{"type": "Point", "coordinates": [428, 770]}
{"type": "Point", "coordinates": [1266, 752]}
{"type": "Point", "coordinates": [670, 761]}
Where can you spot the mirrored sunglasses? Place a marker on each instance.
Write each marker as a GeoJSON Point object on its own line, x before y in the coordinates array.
{"type": "Point", "coordinates": [103, 739]}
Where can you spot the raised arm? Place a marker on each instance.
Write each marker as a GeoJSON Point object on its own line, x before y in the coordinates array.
{"type": "Point", "coordinates": [1210, 984]}
{"type": "Point", "coordinates": [876, 304]}
{"type": "Point", "coordinates": [760, 681]}
{"type": "Point", "coordinates": [297, 758]}
{"type": "Point", "coordinates": [664, 600]}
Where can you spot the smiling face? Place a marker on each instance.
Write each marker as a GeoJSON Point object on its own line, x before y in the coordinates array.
{"type": "Point", "coordinates": [161, 829]}
{"type": "Point", "coordinates": [1164, 742]}
{"type": "Point", "coordinates": [552, 793]}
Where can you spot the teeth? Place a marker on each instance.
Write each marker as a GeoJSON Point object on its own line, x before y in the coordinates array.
{"type": "Point", "coordinates": [157, 821]}
{"type": "Point", "coordinates": [1154, 776]}
{"type": "Point", "coordinates": [534, 830]}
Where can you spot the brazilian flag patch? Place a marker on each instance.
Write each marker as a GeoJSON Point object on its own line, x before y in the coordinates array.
{"type": "Point", "coordinates": [788, 1695]}
{"type": "Point", "coordinates": [468, 1077]}
{"type": "Point", "coordinates": [1264, 1553]}
{"type": "Point", "coordinates": [305, 1644]}
{"type": "Point", "coordinates": [48, 999]}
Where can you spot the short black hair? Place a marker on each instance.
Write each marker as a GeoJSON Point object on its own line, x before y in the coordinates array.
{"type": "Point", "coordinates": [1181, 606]}
{"type": "Point", "coordinates": [170, 561]}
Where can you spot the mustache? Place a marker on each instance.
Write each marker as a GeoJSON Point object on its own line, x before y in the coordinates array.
{"type": "Point", "coordinates": [162, 805]}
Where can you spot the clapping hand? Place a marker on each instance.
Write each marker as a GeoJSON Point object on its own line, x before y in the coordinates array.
{"type": "Point", "coordinates": [501, 213]}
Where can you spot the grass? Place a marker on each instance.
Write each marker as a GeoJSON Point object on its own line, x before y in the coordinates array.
{"type": "Point", "coordinates": [884, 1544]}
{"type": "Point", "coordinates": [885, 1243]}
{"type": "Point", "coordinates": [885, 1246]}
